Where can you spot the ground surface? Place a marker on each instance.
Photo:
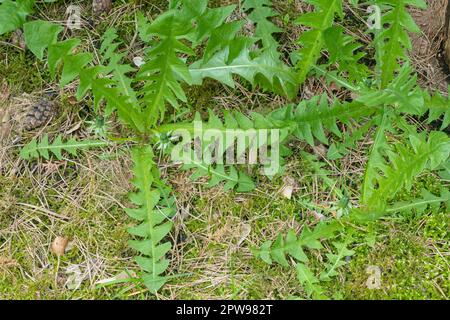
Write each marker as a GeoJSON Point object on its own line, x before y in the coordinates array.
{"type": "Point", "coordinates": [82, 199]}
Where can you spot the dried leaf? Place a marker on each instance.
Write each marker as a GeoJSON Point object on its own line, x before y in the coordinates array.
{"type": "Point", "coordinates": [286, 191]}
{"type": "Point", "coordinates": [75, 278]}
{"type": "Point", "coordinates": [318, 216]}
{"type": "Point", "coordinates": [121, 276]}
{"type": "Point", "coordinates": [320, 150]}
{"type": "Point", "coordinates": [5, 125]}
{"type": "Point", "coordinates": [244, 232]}
{"type": "Point", "coordinates": [4, 91]}
{"type": "Point", "coordinates": [7, 262]}
{"type": "Point", "coordinates": [288, 188]}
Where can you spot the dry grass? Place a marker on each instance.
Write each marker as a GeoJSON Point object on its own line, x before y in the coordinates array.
{"type": "Point", "coordinates": [428, 47]}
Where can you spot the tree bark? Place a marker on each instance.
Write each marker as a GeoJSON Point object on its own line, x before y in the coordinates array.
{"type": "Point", "coordinates": [447, 28]}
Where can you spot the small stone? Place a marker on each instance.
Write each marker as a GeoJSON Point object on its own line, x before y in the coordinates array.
{"type": "Point", "coordinates": [138, 61]}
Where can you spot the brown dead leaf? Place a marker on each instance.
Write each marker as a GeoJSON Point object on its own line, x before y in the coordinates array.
{"type": "Point", "coordinates": [7, 262]}
{"type": "Point", "coordinates": [4, 91]}
{"type": "Point", "coordinates": [318, 216]}
{"type": "Point", "coordinates": [72, 100]}
{"type": "Point", "coordinates": [222, 232]}
{"type": "Point", "coordinates": [5, 125]}
{"type": "Point", "coordinates": [320, 150]}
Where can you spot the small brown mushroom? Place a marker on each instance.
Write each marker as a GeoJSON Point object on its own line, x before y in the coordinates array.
{"type": "Point", "coordinates": [59, 245]}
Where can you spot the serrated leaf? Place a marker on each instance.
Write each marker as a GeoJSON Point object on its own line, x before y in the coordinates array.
{"type": "Point", "coordinates": [13, 14]}
{"type": "Point", "coordinates": [152, 230]}
{"type": "Point", "coordinates": [312, 41]}
{"type": "Point", "coordinates": [278, 76]}
{"type": "Point", "coordinates": [43, 148]}
{"type": "Point", "coordinates": [39, 35]}
{"type": "Point", "coordinates": [310, 282]}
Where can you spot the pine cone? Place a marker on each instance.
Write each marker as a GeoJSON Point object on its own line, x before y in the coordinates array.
{"type": "Point", "coordinates": [39, 114]}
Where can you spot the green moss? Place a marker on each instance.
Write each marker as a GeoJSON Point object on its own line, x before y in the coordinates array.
{"type": "Point", "coordinates": [437, 226]}
{"type": "Point", "coordinates": [410, 268]}
{"type": "Point", "coordinates": [22, 71]}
